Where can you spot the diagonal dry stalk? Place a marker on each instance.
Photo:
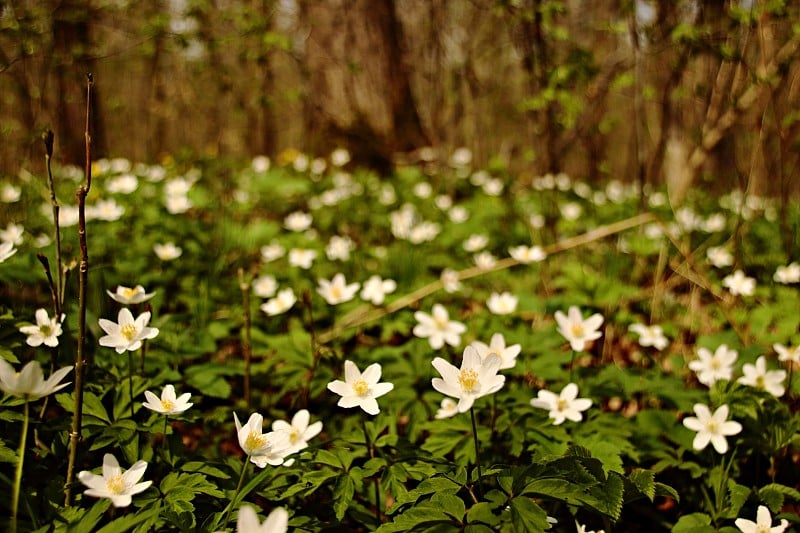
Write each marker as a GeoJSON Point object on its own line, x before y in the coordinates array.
{"type": "Point", "coordinates": [365, 314]}
{"type": "Point", "coordinates": [80, 358]}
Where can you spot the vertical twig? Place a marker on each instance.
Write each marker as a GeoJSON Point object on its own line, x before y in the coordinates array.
{"type": "Point", "coordinates": [58, 288]}
{"type": "Point", "coordinates": [247, 348]}
{"type": "Point", "coordinates": [80, 361]}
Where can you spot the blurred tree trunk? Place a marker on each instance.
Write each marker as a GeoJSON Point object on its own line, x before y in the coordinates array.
{"type": "Point", "coordinates": [73, 61]}
{"type": "Point", "coordinates": [359, 95]}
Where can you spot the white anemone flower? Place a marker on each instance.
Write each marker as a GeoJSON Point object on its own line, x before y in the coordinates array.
{"type": "Point", "coordinates": [168, 404]}
{"type": "Point", "coordinates": [337, 290]}
{"type": "Point", "coordinates": [450, 281]}
{"type": "Point", "coordinates": [115, 484]}
{"type": "Point", "coordinates": [248, 522]}
{"type": "Point", "coordinates": [29, 382]}
{"type": "Point", "coordinates": [297, 221]}
{"type": "Point", "coordinates": [299, 431]}
{"type": "Point", "coordinates": [739, 284]}
{"type": "Point", "coordinates": [167, 251]}
{"type": "Point", "coordinates": [271, 252]}
{"type": "Point", "coordinates": [576, 330]}
{"type": "Point", "coordinates": [787, 353]}
{"type": "Point", "coordinates": [281, 303]}
{"type": "Point", "coordinates": [497, 346]}
{"type": "Point", "coordinates": [563, 406]}
{"type": "Point", "coordinates": [650, 336]}
{"type": "Point", "coordinates": [763, 523]}
{"type": "Point", "coordinates": [261, 448]}
{"type": "Point", "coordinates": [447, 409]}
{"type": "Point", "coordinates": [527, 254]}
{"type": "Point", "coordinates": [711, 428]}
{"type": "Point", "coordinates": [719, 256]}
{"type": "Point", "coordinates": [128, 296]}
{"type": "Point", "coordinates": [710, 367]}
{"type": "Point", "coordinates": [265, 286]}
{"type": "Point", "coordinates": [787, 274]}
{"type": "Point", "coordinates": [302, 257]}
{"type": "Point", "coordinates": [438, 328]}
{"type": "Point", "coordinates": [502, 303]}
{"type": "Point", "coordinates": [360, 389]}
{"type": "Point", "coordinates": [126, 333]}
{"type": "Point", "coordinates": [46, 331]}
{"type": "Point", "coordinates": [759, 377]}
{"type": "Point", "coordinates": [6, 250]}
{"type": "Point", "coordinates": [375, 289]}
{"type": "Point", "coordinates": [476, 378]}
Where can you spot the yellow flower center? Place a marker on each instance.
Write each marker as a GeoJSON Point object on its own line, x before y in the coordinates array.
{"type": "Point", "coordinates": [336, 292]}
{"type": "Point", "coordinates": [255, 441]}
{"type": "Point", "coordinates": [128, 331]}
{"type": "Point", "coordinates": [716, 364]}
{"type": "Point", "coordinates": [360, 387]}
{"type": "Point", "coordinates": [712, 427]}
{"type": "Point", "coordinates": [577, 330]}
{"type": "Point", "coordinates": [129, 293]}
{"type": "Point", "coordinates": [293, 436]}
{"type": "Point", "coordinates": [562, 404]}
{"type": "Point", "coordinates": [167, 405]}
{"type": "Point", "coordinates": [116, 484]}
{"type": "Point", "coordinates": [760, 382]}
{"type": "Point", "coordinates": [468, 379]}
{"type": "Point", "coordinates": [45, 330]}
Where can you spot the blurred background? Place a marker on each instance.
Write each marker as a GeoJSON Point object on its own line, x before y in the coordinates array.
{"type": "Point", "coordinates": [688, 92]}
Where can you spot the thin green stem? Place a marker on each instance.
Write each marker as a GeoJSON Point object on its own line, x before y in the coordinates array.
{"type": "Point", "coordinates": [130, 379]}
{"type": "Point", "coordinates": [477, 451]}
{"type": "Point", "coordinates": [375, 481]}
{"type": "Point", "coordinates": [571, 365]}
{"type": "Point", "coordinates": [164, 443]}
{"type": "Point", "coordinates": [18, 474]}
{"type": "Point", "coordinates": [236, 494]}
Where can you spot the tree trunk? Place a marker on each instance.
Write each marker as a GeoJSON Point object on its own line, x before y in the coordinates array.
{"type": "Point", "coordinates": [359, 95]}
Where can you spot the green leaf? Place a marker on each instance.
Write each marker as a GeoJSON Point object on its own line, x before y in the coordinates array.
{"type": "Point", "coordinates": [527, 516]}
{"type": "Point", "coordinates": [482, 512]}
{"type": "Point", "coordinates": [450, 504]}
{"type": "Point", "coordinates": [343, 495]}
{"type": "Point", "coordinates": [644, 481]}
{"type": "Point", "coordinates": [693, 523]}
{"type": "Point", "coordinates": [437, 484]}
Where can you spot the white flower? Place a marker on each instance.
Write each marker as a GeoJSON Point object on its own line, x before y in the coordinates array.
{"type": "Point", "coordinates": [340, 157]}
{"type": "Point", "coordinates": [739, 284]}
{"type": "Point", "coordinates": [476, 242]}
{"type": "Point", "coordinates": [281, 303]}
{"type": "Point", "coordinates": [29, 382]}
{"type": "Point", "coordinates": [438, 328]}
{"type": "Point", "coordinates": [563, 406]}
{"type": "Point", "coordinates": [719, 256]}
{"type": "Point", "coordinates": [450, 281]}
{"type": "Point", "coordinates": [497, 346]}
{"type": "Point", "coordinates": [299, 430]}
{"type": "Point", "coordinates": [711, 367]}
{"type": "Point", "coordinates": [339, 248]}
{"type": "Point", "coordinates": [461, 157]}
{"type": "Point", "coordinates": [337, 290]}
{"type": "Point", "coordinates": [128, 333]}
{"type": "Point", "coordinates": [318, 166]}
{"type": "Point", "coordinates": [108, 210]}
{"type": "Point", "coordinates": [265, 286]}
{"type": "Point", "coordinates": [297, 221]}
{"type": "Point", "coordinates": [423, 232]}
{"type": "Point", "coordinates": [484, 260]}
{"type": "Point", "coordinates": [13, 233]}
{"type": "Point", "coordinates": [443, 202]}
{"type": "Point", "coordinates": [503, 303]}
{"type": "Point", "coordinates": [527, 254]}
{"type": "Point", "coordinates": [114, 484]}
{"type": "Point", "coordinates": [167, 251]}
{"type": "Point", "coordinates": [422, 189]}
{"type": "Point", "coordinates": [10, 194]}
{"type": "Point", "coordinates": [458, 214]}
{"type": "Point", "coordinates": [6, 250]}
{"type": "Point", "coordinates": [168, 404]}
{"type": "Point", "coordinates": [448, 408]}
{"type": "Point", "coordinates": [758, 376]}
{"type": "Point", "coordinates": [177, 187]}
{"type": "Point", "coordinates": [127, 295]}
{"type": "Point", "coordinates": [261, 448]}
{"type": "Point", "coordinates": [787, 353]}
{"type": "Point", "coordinates": [788, 274]}
{"type": "Point", "coordinates": [375, 289]}
{"type": "Point", "coordinates": [177, 204]}
{"type": "Point", "coordinates": [67, 216]}
{"type": "Point", "coordinates": [571, 211]}
{"type": "Point", "coordinates": [536, 221]}
{"type": "Point", "coordinates": [301, 257]}
{"type": "Point", "coordinates": [577, 330]}
{"type": "Point", "coordinates": [360, 389]}
{"type": "Point", "coordinates": [260, 164]}
{"type": "Point", "coordinates": [125, 184]}
{"type": "Point", "coordinates": [582, 529]}
{"type": "Point", "coordinates": [46, 330]}
{"type": "Point", "coordinates": [711, 428]}
{"type": "Point", "coordinates": [475, 378]}
{"type": "Point", "coordinates": [271, 252]}
{"type": "Point", "coordinates": [763, 523]}
{"type": "Point", "coordinates": [248, 522]}
{"type": "Point", "coordinates": [493, 187]}
{"type": "Point", "coordinates": [650, 336]}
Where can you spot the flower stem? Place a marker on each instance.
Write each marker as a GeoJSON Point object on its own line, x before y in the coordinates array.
{"type": "Point", "coordinates": [375, 481]}
{"type": "Point", "coordinates": [571, 365]}
{"type": "Point", "coordinates": [18, 473]}
{"type": "Point", "coordinates": [130, 379]}
{"type": "Point", "coordinates": [477, 451]}
{"type": "Point", "coordinates": [164, 443]}
{"type": "Point", "coordinates": [236, 494]}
